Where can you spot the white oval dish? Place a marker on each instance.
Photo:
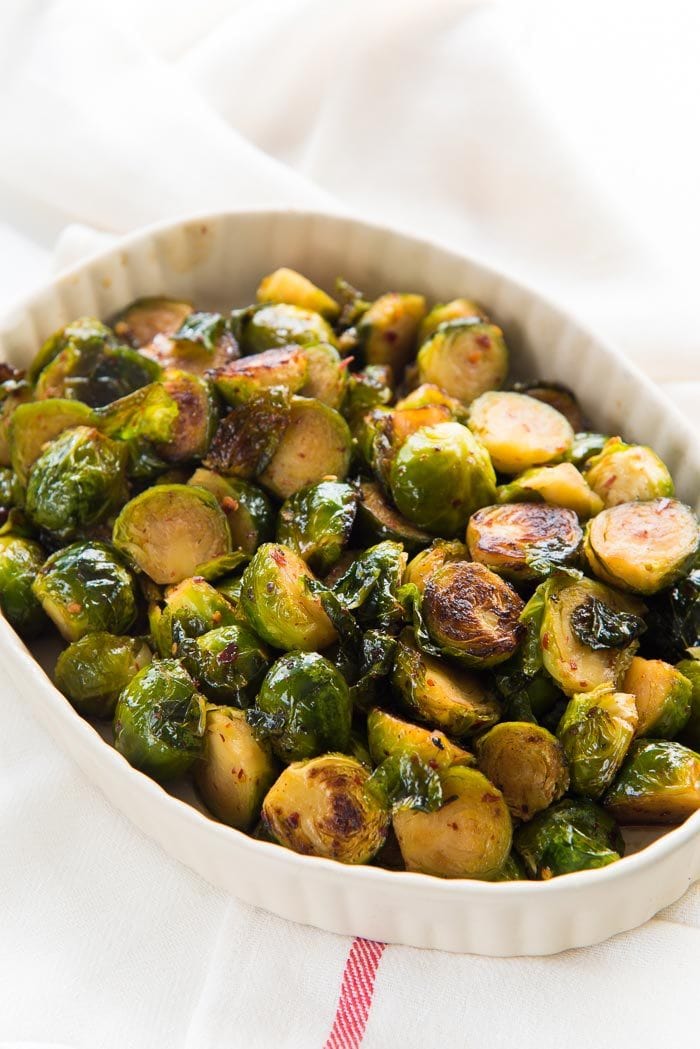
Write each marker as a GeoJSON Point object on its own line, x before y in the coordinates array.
{"type": "Point", "coordinates": [217, 260]}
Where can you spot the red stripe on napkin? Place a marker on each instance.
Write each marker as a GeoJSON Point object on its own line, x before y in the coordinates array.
{"type": "Point", "coordinates": [356, 992]}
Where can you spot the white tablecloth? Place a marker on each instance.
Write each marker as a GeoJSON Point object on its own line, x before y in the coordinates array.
{"type": "Point", "coordinates": [556, 141]}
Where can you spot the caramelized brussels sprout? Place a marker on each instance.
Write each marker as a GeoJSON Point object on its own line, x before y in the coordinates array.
{"type": "Point", "coordinates": [584, 447]}
{"type": "Point", "coordinates": [197, 418]}
{"type": "Point", "coordinates": [159, 721]}
{"type": "Point", "coordinates": [169, 530]}
{"type": "Point", "coordinates": [556, 395]}
{"type": "Point", "coordinates": [662, 697]}
{"type": "Point", "coordinates": [288, 286]}
{"type": "Point", "coordinates": [673, 620]}
{"type": "Point", "coordinates": [235, 770]}
{"type": "Point", "coordinates": [248, 510]}
{"type": "Point", "coordinates": [20, 561]}
{"type": "Point", "coordinates": [387, 331]}
{"type": "Point", "coordinates": [465, 358]}
{"type": "Point", "coordinates": [391, 429]}
{"type": "Point", "coordinates": [560, 485]}
{"type": "Point", "coordinates": [439, 553]}
{"type": "Point", "coordinates": [626, 473]}
{"type": "Point", "coordinates": [573, 835]}
{"type": "Point", "coordinates": [86, 588]}
{"type": "Point", "coordinates": [389, 736]}
{"type": "Point", "coordinates": [369, 588]}
{"type": "Point", "coordinates": [440, 476]}
{"type": "Point", "coordinates": [642, 547]}
{"type": "Point", "coordinates": [281, 325]}
{"type": "Point", "coordinates": [244, 379]}
{"type": "Point", "coordinates": [469, 836]}
{"type": "Point", "coordinates": [145, 318]}
{"type": "Point", "coordinates": [317, 521]}
{"type": "Point", "coordinates": [323, 807]}
{"type": "Point", "coordinates": [278, 603]}
{"type": "Point", "coordinates": [378, 520]}
{"type": "Point", "coordinates": [228, 663]}
{"type": "Point", "coordinates": [367, 389]}
{"type": "Point", "coordinates": [303, 707]}
{"type": "Point", "coordinates": [190, 609]}
{"type": "Point", "coordinates": [427, 394]}
{"type": "Point", "coordinates": [326, 375]}
{"type": "Point", "coordinates": [248, 437]}
{"type": "Point", "coordinates": [523, 540]}
{"type": "Point", "coordinates": [14, 392]}
{"type": "Point", "coordinates": [314, 447]}
{"type": "Point", "coordinates": [690, 669]}
{"type": "Point", "coordinates": [443, 313]}
{"type": "Point", "coordinates": [658, 783]}
{"type": "Point", "coordinates": [519, 432]}
{"type": "Point", "coordinates": [596, 731]}
{"type": "Point", "coordinates": [148, 414]}
{"type": "Point", "coordinates": [526, 763]}
{"type": "Point", "coordinates": [93, 671]}
{"type": "Point", "coordinates": [203, 343]}
{"type": "Point", "coordinates": [92, 367]}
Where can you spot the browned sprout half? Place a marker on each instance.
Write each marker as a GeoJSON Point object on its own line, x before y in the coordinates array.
{"type": "Point", "coordinates": [197, 417]}
{"type": "Point", "coordinates": [525, 762]}
{"type": "Point", "coordinates": [439, 553]}
{"type": "Point", "coordinates": [464, 358]}
{"type": "Point", "coordinates": [625, 473]}
{"type": "Point", "coordinates": [248, 437]}
{"type": "Point", "coordinates": [248, 510]}
{"type": "Point", "coordinates": [314, 447]}
{"type": "Point", "coordinates": [377, 519]}
{"type": "Point", "coordinates": [560, 485]}
{"type": "Point", "coordinates": [658, 783]}
{"type": "Point", "coordinates": [145, 318]}
{"type": "Point", "coordinates": [239, 381]}
{"type": "Point", "coordinates": [558, 396]}
{"type": "Point", "coordinates": [455, 310]}
{"type": "Point", "coordinates": [285, 285]}
{"type": "Point", "coordinates": [662, 696]}
{"type": "Point", "coordinates": [429, 394]}
{"type": "Point", "coordinates": [519, 540]}
{"type": "Point", "coordinates": [326, 374]}
{"type": "Point", "coordinates": [520, 432]}
{"type": "Point", "coordinates": [387, 331]}
{"type": "Point", "coordinates": [388, 736]}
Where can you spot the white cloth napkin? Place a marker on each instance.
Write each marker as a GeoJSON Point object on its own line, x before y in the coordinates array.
{"type": "Point", "coordinates": [424, 115]}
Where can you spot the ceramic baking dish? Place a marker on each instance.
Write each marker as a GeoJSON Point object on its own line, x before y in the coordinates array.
{"type": "Point", "coordinates": [216, 260]}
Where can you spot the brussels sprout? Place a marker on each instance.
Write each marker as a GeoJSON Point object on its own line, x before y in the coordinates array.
{"type": "Point", "coordinates": [85, 589]}
{"type": "Point", "coordinates": [77, 482]}
{"type": "Point", "coordinates": [367, 389]}
{"type": "Point", "coordinates": [526, 763]}
{"type": "Point", "coordinates": [556, 395]}
{"type": "Point", "coordinates": [512, 870]}
{"type": "Point", "coordinates": [439, 694]}
{"type": "Point", "coordinates": [169, 530]}
{"type": "Point", "coordinates": [444, 313]}
{"type": "Point", "coordinates": [440, 476]}
{"type": "Point", "coordinates": [235, 771]}
{"type": "Point", "coordinates": [560, 485]}
{"type": "Point", "coordinates": [464, 358]}
{"type": "Point", "coordinates": [248, 510]}
{"type": "Point", "coordinates": [662, 697]}
{"type": "Point", "coordinates": [585, 445]}
{"type": "Point", "coordinates": [34, 425]}
{"type": "Point", "coordinates": [673, 622]}
{"type": "Point", "coordinates": [370, 586]}
{"type": "Point", "coordinates": [190, 609]}
{"type": "Point", "coordinates": [145, 318]}
{"type": "Point", "coordinates": [389, 736]}
{"type": "Point", "coordinates": [519, 432]}
{"type": "Point", "coordinates": [197, 417]}
{"type": "Point", "coordinates": [469, 836]}
{"type": "Point", "coordinates": [690, 669]}
{"type": "Point", "coordinates": [596, 730]}
{"type": "Point", "coordinates": [303, 707]}
{"type": "Point", "coordinates": [323, 807]}
{"type": "Point", "coordinates": [314, 447]}
{"type": "Point", "coordinates": [326, 376]}
{"type": "Point", "coordinates": [278, 603]}
{"type": "Point", "coordinates": [14, 392]}
{"type": "Point", "coordinates": [93, 671]}
{"type": "Point", "coordinates": [248, 437]}
{"type": "Point", "coordinates": [228, 663]}
{"type": "Point", "coordinates": [387, 331]}
{"type": "Point", "coordinates": [20, 561]}
{"type": "Point", "coordinates": [378, 520]}
{"type": "Point", "coordinates": [642, 547]}
{"type": "Point", "coordinates": [316, 522]}
{"type": "Point", "coordinates": [658, 783]}
{"type": "Point", "coordinates": [149, 414]}
{"type": "Point", "coordinates": [523, 540]}
{"type": "Point", "coordinates": [573, 835]}
{"type": "Point", "coordinates": [529, 697]}
{"type": "Point", "coordinates": [439, 553]}
{"type": "Point", "coordinates": [85, 336]}
{"type": "Point", "coordinates": [244, 379]}
{"type": "Point", "coordinates": [202, 343]}
{"type": "Point", "coordinates": [289, 287]}
{"type": "Point", "coordinates": [471, 614]}
{"type": "Point", "coordinates": [352, 306]}
{"type": "Point", "coordinates": [269, 327]}
{"type": "Point", "coordinates": [96, 370]}
{"type": "Point", "coordinates": [625, 473]}
{"type": "Point", "coordinates": [159, 721]}
{"type": "Point", "coordinates": [428, 394]}
{"type": "Point", "coordinates": [391, 429]}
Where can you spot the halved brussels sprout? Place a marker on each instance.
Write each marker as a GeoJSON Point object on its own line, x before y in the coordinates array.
{"type": "Point", "coordinates": [389, 736]}
{"type": "Point", "coordinates": [573, 835]}
{"type": "Point", "coordinates": [33, 425]}
{"type": "Point", "coordinates": [86, 588]}
{"type": "Point", "coordinates": [596, 731]}
{"type": "Point", "coordinates": [560, 485]}
{"type": "Point", "coordinates": [626, 473]}
{"type": "Point", "coordinates": [248, 437]}
{"type": "Point", "coordinates": [96, 372]}
{"type": "Point", "coordinates": [314, 447]}
{"type": "Point", "coordinates": [14, 392]}
{"type": "Point", "coordinates": [235, 770]}
{"type": "Point", "coordinates": [203, 343]}
{"type": "Point", "coordinates": [190, 609]}
{"type": "Point", "coordinates": [317, 521]}
{"type": "Point", "coordinates": [92, 671]}
{"type": "Point", "coordinates": [387, 331]}
{"type": "Point", "coordinates": [145, 318]}
{"type": "Point", "coordinates": [326, 376]}
{"type": "Point", "coordinates": [248, 510]}
{"type": "Point", "coordinates": [159, 720]}
{"type": "Point", "coordinates": [690, 669]}
{"type": "Point", "coordinates": [512, 870]}
{"type": "Point", "coordinates": [465, 358]}
{"type": "Point", "coordinates": [558, 396]}
{"type": "Point", "coordinates": [662, 696]}
{"type": "Point", "coordinates": [244, 379]}
{"type": "Point", "coordinates": [148, 414]}
{"type": "Point", "coordinates": [228, 663]}
{"type": "Point", "coordinates": [469, 836]}
{"type": "Point", "coordinates": [369, 588]}
{"type": "Point", "coordinates": [269, 327]}
{"type": "Point", "coordinates": [519, 540]}
{"type": "Point", "coordinates": [367, 389]}
{"type": "Point", "coordinates": [20, 561]}
{"type": "Point", "coordinates": [444, 313]}
{"type": "Point", "coordinates": [428, 394]}
{"type": "Point", "coordinates": [391, 429]}
{"type": "Point", "coordinates": [378, 520]}
{"type": "Point", "coordinates": [279, 605]}
{"type": "Point", "coordinates": [323, 807]}
{"type": "Point", "coordinates": [673, 620]}
{"type": "Point", "coordinates": [77, 482]}
{"type": "Point", "coordinates": [288, 286]}
{"type": "Point", "coordinates": [197, 418]}
{"type": "Point", "coordinates": [303, 707]}
{"type": "Point", "coordinates": [658, 783]}
{"type": "Point", "coordinates": [471, 614]}
{"type": "Point", "coordinates": [170, 530]}
{"type": "Point", "coordinates": [84, 338]}
{"type": "Point", "coordinates": [642, 547]}
{"type": "Point", "coordinates": [439, 694]}
{"type": "Point", "coordinates": [584, 447]}
{"type": "Point", "coordinates": [526, 763]}
{"type": "Point", "coordinates": [519, 432]}
{"type": "Point", "coordinates": [439, 553]}
{"type": "Point", "coordinates": [440, 476]}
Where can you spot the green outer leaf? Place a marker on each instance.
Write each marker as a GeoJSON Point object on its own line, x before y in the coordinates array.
{"type": "Point", "coordinates": [405, 782]}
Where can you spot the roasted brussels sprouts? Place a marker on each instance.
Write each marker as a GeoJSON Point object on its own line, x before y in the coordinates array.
{"type": "Point", "coordinates": [244, 379]}
{"type": "Point", "coordinates": [626, 473]}
{"type": "Point", "coordinates": [197, 418]}
{"type": "Point", "coordinates": [662, 697]}
{"type": "Point", "coordinates": [690, 669]}
{"type": "Point", "coordinates": [145, 318]}
{"type": "Point", "coordinates": [439, 553]}
{"type": "Point", "coordinates": [427, 395]}
{"type": "Point", "coordinates": [560, 485]}
{"type": "Point", "coordinates": [596, 731]}
{"type": "Point", "coordinates": [92, 671]}
{"type": "Point", "coordinates": [86, 588]}
{"type": "Point", "coordinates": [673, 620]}
{"type": "Point", "coordinates": [556, 395]}
{"type": "Point", "coordinates": [390, 736]}
{"type": "Point", "coordinates": [288, 286]}
{"type": "Point", "coordinates": [190, 609]}
{"type": "Point", "coordinates": [524, 540]}
{"type": "Point", "coordinates": [642, 547]}
{"type": "Point", "coordinates": [443, 313]}
{"type": "Point", "coordinates": [33, 425]}
{"type": "Point", "coordinates": [323, 807]}
{"type": "Point", "coordinates": [387, 331]}
{"type": "Point", "coordinates": [526, 763]}
{"type": "Point", "coordinates": [314, 447]}
{"type": "Point", "coordinates": [278, 603]}
{"type": "Point", "coordinates": [96, 371]}
{"type": "Point", "coordinates": [20, 561]}
{"type": "Point", "coordinates": [203, 343]}
{"type": "Point", "coordinates": [159, 720]}
{"type": "Point", "coordinates": [235, 770]}
{"type": "Point", "coordinates": [584, 447]}
{"type": "Point", "coordinates": [169, 530]}
{"type": "Point", "coordinates": [440, 476]}
{"type": "Point", "coordinates": [658, 783]}
{"type": "Point", "coordinates": [369, 588]}
{"type": "Point", "coordinates": [146, 415]}
{"type": "Point", "coordinates": [326, 376]}
{"type": "Point", "coordinates": [248, 510]}
{"type": "Point", "coordinates": [377, 520]}
{"type": "Point", "coordinates": [367, 389]}
{"type": "Point", "coordinates": [275, 325]}
{"type": "Point", "coordinates": [469, 836]}
{"type": "Point", "coordinates": [317, 521]}
{"type": "Point", "coordinates": [228, 663]}
{"type": "Point", "coordinates": [465, 358]}
{"type": "Point", "coordinates": [519, 432]}
{"type": "Point", "coordinates": [14, 392]}
{"type": "Point", "coordinates": [391, 429]}
{"type": "Point", "coordinates": [573, 835]}
{"type": "Point", "coordinates": [303, 707]}
{"type": "Point", "coordinates": [248, 437]}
